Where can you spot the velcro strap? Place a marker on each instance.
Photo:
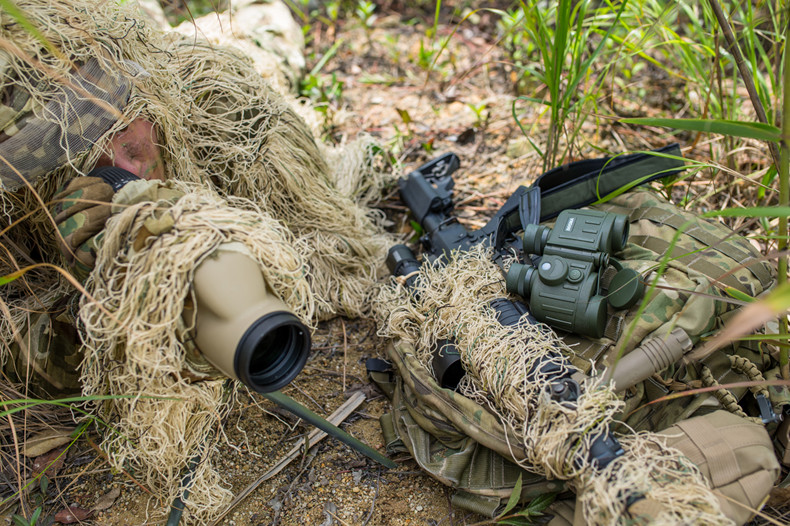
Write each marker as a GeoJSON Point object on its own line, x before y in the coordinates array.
{"type": "Point", "coordinates": [713, 450]}
{"type": "Point", "coordinates": [392, 441]}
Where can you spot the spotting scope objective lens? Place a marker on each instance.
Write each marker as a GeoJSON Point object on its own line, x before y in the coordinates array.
{"type": "Point", "coordinates": [272, 352]}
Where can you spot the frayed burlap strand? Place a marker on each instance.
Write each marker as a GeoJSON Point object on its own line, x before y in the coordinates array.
{"type": "Point", "coordinates": [163, 419]}
{"type": "Point", "coordinates": [452, 302]}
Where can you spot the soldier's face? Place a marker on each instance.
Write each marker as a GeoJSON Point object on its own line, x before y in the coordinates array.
{"type": "Point", "coordinates": [135, 149]}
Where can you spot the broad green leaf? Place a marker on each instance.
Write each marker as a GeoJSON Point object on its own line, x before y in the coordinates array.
{"type": "Point", "coordinates": [541, 502]}
{"type": "Point", "coordinates": [750, 130]}
{"type": "Point", "coordinates": [515, 496]}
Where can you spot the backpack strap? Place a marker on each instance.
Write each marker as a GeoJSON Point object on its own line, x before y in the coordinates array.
{"type": "Point", "coordinates": [583, 182]}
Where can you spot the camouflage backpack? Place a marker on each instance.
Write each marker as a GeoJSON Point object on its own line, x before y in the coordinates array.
{"type": "Point", "coordinates": [462, 444]}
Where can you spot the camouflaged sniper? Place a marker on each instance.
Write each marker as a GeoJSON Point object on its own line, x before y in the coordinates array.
{"type": "Point", "coordinates": [237, 145]}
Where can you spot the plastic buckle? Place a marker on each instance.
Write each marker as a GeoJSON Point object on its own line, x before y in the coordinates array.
{"type": "Point", "coordinates": [766, 411]}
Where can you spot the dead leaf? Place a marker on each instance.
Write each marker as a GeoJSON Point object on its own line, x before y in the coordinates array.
{"type": "Point", "coordinates": [107, 500]}
{"type": "Point", "coordinates": [46, 441]}
{"type": "Point", "coordinates": [49, 463]}
{"type": "Point", "coordinates": [72, 514]}
{"type": "Point", "coordinates": [467, 136]}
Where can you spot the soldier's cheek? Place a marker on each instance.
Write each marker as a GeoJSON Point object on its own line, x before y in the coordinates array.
{"type": "Point", "coordinates": [135, 149]}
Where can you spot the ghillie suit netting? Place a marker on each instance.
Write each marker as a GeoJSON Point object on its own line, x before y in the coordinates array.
{"type": "Point", "coordinates": [544, 436]}
{"type": "Point", "coordinates": [264, 183]}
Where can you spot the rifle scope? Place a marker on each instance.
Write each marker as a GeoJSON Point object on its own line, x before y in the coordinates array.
{"type": "Point", "coordinates": [238, 324]}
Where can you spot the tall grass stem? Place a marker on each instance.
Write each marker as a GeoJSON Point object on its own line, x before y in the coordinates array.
{"type": "Point", "coordinates": [784, 200]}
{"type": "Point", "coordinates": [746, 75]}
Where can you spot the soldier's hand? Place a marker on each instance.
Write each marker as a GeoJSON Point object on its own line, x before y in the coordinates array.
{"type": "Point", "coordinates": [80, 211]}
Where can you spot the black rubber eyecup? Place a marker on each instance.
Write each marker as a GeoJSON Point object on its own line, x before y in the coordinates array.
{"type": "Point", "coordinates": [272, 352]}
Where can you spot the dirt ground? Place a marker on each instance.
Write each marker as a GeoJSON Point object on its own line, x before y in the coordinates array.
{"type": "Point", "coordinates": [332, 482]}
{"type": "Point", "coordinates": [463, 106]}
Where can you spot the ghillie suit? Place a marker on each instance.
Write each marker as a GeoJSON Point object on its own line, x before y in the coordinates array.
{"type": "Point", "coordinates": [249, 172]}
{"type": "Point", "coordinates": [501, 422]}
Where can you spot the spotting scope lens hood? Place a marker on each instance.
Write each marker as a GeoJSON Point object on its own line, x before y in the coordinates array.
{"type": "Point", "coordinates": [272, 352]}
{"type": "Point", "coordinates": [240, 326]}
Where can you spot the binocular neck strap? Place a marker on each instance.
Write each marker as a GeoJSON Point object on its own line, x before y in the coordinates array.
{"type": "Point", "coordinates": [584, 182]}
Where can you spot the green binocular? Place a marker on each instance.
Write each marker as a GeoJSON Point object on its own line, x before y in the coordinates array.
{"type": "Point", "coordinates": [563, 288]}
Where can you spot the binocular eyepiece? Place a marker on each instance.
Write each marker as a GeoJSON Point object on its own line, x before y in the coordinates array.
{"type": "Point", "coordinates": [563, 288]}
{"type": "Point", "coordinates": [241, 327]}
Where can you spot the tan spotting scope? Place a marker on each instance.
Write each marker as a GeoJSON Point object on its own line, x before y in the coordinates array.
{"type": "Point", "coordinates": [651, 357]}
{"type": "Point", "coordinates": [240, 326]}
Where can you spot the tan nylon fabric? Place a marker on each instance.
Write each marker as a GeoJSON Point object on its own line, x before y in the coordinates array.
{"type": "Point", "coordinates": [735, 455]}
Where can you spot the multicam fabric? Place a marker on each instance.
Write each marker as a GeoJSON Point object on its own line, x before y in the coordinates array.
{"type": "Point", "coordinates": [81, 109]}
{"type": "Point", "coordinates": [702, 261]}
{"type": "Point", "coordinates": [80, 212]}
{"type": "Point", "coordinates": [453, 438]}
{"type": "Point", "coordinates": [47, 354]}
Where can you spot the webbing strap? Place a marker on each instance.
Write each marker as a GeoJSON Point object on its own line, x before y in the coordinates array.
{"type": "Point", "coordinates": [661, 246]}
{"type": "Point", "coordinates": [585, 351]}
{"type": "Point", "coordinates": [719, 456]}
{"type": "Point", "coordinates": [583, 182]}
{"type": "Point", "coordinates": [699, 234]}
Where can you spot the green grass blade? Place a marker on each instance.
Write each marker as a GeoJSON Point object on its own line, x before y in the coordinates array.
{"type": "Point", "coordinates": [749, 130]}
{"type": "Point", "coordinates": [574, 82]}
{"type": "Point", "coordinates": [754, 211]}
